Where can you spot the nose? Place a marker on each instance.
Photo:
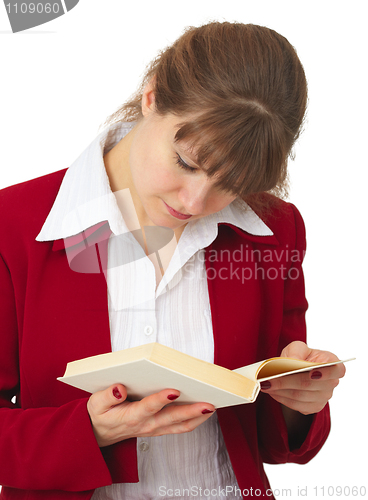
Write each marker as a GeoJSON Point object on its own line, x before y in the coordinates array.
{"type": "Point", "coordinates": [195, 194]}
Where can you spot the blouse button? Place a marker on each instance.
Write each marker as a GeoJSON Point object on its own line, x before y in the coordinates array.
{"type": "Point", "coordinates": [143, 446]}
{"type": "Point", "coordinates": [148, 330]}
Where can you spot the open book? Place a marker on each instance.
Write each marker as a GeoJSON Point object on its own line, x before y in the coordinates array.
{"type": "Point", "coordinates": [149, 368]}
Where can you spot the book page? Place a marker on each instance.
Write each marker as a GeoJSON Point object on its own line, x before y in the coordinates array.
{"type": "Point", "coordinates": [250, 371]}
{"type": "Point", "coordinates": [279, 367]}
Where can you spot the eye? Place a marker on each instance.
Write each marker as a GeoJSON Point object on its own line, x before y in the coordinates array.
{"type": "Point", "coordinates": [182, 164]}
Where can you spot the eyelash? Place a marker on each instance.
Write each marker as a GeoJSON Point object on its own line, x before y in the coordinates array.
{"type": "Point", "coordinates": [183, 165]}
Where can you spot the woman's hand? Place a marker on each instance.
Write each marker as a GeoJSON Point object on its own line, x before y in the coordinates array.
{"type": "Point", "coordinates": [115, 419]}
{"type": "Point", "coordinates": [306, 392]}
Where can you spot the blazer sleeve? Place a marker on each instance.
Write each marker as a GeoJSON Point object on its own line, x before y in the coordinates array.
{"type": "Point", "coordinates": [273, 436]}
{"type": "Point", "coordinates": [50, 448]}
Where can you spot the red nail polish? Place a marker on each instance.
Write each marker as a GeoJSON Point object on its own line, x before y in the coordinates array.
{"type": "Point", "coordinates": [116, 393]}
{"type": "Point", "coordinates": [172, 397]}
{"type": "Point", "coordinates": [206, 411]}
{"type": "Point", "coordinates": [266, 384]}
{"type": "Point", "coordinates": [316, 375]}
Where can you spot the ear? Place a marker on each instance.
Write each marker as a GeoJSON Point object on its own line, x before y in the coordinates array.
{"type": "Point", "coordinates": [148, 98]}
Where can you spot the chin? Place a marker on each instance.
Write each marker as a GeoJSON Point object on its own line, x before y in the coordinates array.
{"type": "Point", "coordinates": [161, 221]}
{"type": "Point", "coordinates": [158, 217]}
{"type": "Point", "coordinates": [169, 224]}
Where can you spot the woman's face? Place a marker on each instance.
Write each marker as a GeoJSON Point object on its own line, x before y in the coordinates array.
{"type": "Point", "coordinates": [171, 187]}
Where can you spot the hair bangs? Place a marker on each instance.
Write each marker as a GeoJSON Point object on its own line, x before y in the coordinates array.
{"type": "Point", "coordinates": [244, 151]}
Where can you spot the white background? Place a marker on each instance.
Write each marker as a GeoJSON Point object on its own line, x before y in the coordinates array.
{"type": "Point", "coordinates": [59, 81]}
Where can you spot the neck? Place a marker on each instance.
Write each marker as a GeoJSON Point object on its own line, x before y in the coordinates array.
{"type": "Point", "coordinates": [118, 171]}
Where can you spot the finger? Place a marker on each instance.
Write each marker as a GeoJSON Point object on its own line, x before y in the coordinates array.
{"type": "Point", "coordinates": [148, 420]}
{"type": "Point", "coordinates": [150, 405]}
{"type": "Point", "coordinates": [297, 350]}
{"type": "Point", "coordinates": [300, 350]}
{"type": "Point", "coordinates": [185, 425]}
{"type": "Point", "coordinates": [309, 381]}
{"type": "Point", "coordinates": [102, 401]}
{"type": "Point", "coordinates": [299, 381]}
{"type": "Point", "coordinates": [327, 372]}
{"type": "Point", "coordinates": [306, 408]}
{"type": "Point", "coordinates": [181, 413]}
{"type": "Point", "coordinates": [317, 356]}
{"type": "Point", "coordinates": [324, 394]}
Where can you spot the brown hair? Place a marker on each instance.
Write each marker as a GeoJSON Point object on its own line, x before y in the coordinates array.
{"type": "Point", "coordinates": [247, 90]}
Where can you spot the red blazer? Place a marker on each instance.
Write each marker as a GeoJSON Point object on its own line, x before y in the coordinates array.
{"type": "Point", "coordinates": [50, 315]}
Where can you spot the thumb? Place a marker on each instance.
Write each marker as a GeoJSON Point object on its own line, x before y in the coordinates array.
{"type": "Point", "coordinates": [296, 349]}
{"type": "Point", "coordinates": [102, 401]}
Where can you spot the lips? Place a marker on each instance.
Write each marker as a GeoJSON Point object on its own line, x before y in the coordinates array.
{"type": "Point", "coordinates": [177, 215]}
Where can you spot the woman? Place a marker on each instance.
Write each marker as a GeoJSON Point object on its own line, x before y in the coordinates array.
{"type": "Point", "coordinates": [149, 236]}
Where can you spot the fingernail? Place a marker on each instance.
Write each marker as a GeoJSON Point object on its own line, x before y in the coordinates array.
{"type": "Point", "coordinates": [116, 393]}
{"type": "Point", "coordinates": [266, 384]}
{"type": "Point", "coordinates": [316, 375]}
{"type": "Point", "coordinates": [172, 397]}
{"type": "Point", "coordinates": [206, 411]}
